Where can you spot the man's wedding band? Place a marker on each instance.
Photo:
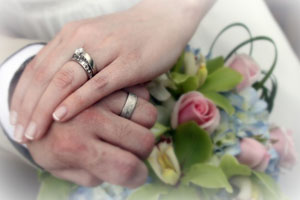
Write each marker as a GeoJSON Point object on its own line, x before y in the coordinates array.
{"type": "Point", "coordinates": [85, 61]}
{"type": "Point", "coordinates": [129, 106]}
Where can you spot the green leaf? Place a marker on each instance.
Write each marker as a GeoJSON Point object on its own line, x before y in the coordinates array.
{"type": "Point", "coordinates": [191, 84]}
{"type": "Point", "coordinates": [231, 167]}
{"type": "Point", "coordinates": [184, 82]}
{"type": "Point", "coordinates": [220, 101]}
{"type": "Point", "coordinates": [207, 176]}
{"type": "Point", "coordinates": [149, 192]}
{"type": "Point", "coordinates": [179, 78]}
{"type": "Point", "coordinates": [268, 186]}
{"type": "Point", "coordinates": [182, 192]}
{"type": "Point", "coordinates": [54, 188]}
{"type": "Point", "coordinates": [222, 80]}
{"type": "Point", "coordinates": [215, 64]}
{"type": "Point", "coordinates": [179, 64]}
{"type": "Point", "coordinates": [158, 129]}
{"type": "Point", "coordinates": [192, 145]}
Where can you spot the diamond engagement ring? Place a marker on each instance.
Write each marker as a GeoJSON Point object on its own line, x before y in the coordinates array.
{"type": "Point", "coordinates": [129, 106]}
{"type": "Point", "coordinates": [85, 61]}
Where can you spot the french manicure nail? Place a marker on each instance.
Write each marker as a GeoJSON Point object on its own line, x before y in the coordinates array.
{"type": "Point", "coordinates": [30, 132]}
{"type": "Point", "coordinates": [60, 113]}
{"type": "Point", "coordinates": [19, 133]}
{"type": "Point", "coordinates": [13, 117]}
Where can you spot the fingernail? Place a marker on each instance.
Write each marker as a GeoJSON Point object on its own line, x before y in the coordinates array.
{"type": "Point", "coordinates": [30, 132]}
{"type": "Point", "coordinates": [19, 133]}
{"type": "Point", "coordinates": [13, 117]}
{"type": "Point", "coordinates": [60, 113]}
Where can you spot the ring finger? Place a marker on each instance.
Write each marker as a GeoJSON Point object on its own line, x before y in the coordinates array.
{"type": "Point", "coordinates": [144, 113]}
{"type": "Point", "coordinates": [70, 77]}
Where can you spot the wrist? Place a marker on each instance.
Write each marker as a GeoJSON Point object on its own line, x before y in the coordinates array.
{"type": "Point", "coordinates": [179, 8]}
{"type": "Point", "coordinates": [183, 15]}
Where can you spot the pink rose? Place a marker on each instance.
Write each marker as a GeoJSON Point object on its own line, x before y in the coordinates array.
{"type": "Point", "coordinates": [246, 66]}
{"type": "Point", "coordinates": [193, 106]}
{"type": "Point", "coordinates": [254, 154]}
{"type": "Point", "coordinates": [283, 143]}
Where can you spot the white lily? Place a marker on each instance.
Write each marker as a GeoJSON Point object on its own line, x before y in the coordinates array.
{"type": "Point", "coordinates": [196, 66]}
{"type": "Point", "coordinates": [165, 163]}
{"type": "Point", "coordinates": [158, 88]}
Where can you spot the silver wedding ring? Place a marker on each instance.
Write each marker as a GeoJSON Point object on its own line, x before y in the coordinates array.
{"type": "Point", "coordinates": [129, 106]}
{"type": "Point", "coordinates": [85, 61]}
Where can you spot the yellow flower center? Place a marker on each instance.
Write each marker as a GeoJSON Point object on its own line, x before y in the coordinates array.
{"type": "Point", "coordinates": [168, 170]}
{"type": "Point", "coordinates": [165, 162]}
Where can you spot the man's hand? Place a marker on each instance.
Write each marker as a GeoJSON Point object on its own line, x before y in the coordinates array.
{"type": "Point", "coordinates": [99, 145]}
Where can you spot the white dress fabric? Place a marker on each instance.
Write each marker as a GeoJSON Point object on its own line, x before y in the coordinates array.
{"type": "Point", "coordinates": [42, 19]}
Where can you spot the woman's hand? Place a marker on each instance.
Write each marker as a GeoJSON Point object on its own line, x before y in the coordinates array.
{"type": "Point", "coordinates": [98, 145]}
{"type": "Point", "coordinates": [128, 48]}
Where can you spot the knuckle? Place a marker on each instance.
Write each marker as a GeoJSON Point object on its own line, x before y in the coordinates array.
{"type": "Point", "coordinates": [64, 78]}
{"type": "Point", "coordinates": [150, 114]}
{"type": "Point", "coordinates": [148, 144]}
{"type": "Point", "coordinates": [133, 57]}
{"type": "Point", "coordinates": [82, 30]}
{"type": "Point", "coordinates": [99, 82]}
{"type": "Point", "coordinates": [108, 38]}
{"type": "Point", "coordinates": [75, 100]}
{"type": "Point", "coordinates": [128, 169]}
{"type": "Point", "coordinates": [41, 75]}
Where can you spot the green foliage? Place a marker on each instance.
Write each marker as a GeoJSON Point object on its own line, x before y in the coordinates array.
{"type": "Point", "coordinates": [207, 176]}
{"type": "Point", "coordinates": [158, 129]}
{"type": "Point", "coordinates": [214, 64]}
{"type": "Point", "coordinates": [150, 192]}
{"type": "Point", "coordinates": [220, 101]}
{"type": "Point", "coordinates": [222, 80]}
{"type": "Point", "coordinates": [192, 145]}
{"type": "Point", "coordinates": [182, 192]}
{"type": "Point", "coordinates": [54, 188]}
{"type": "Point", "coordinates": [268, 187]}
{"type": "Point", "coordinates": [179, 64]}
{"type": "Point", "coordinates": [232, 167]}
{"type": "Point", "coordinates": [191, 84]}
{"type": "Point", "coordinates": [185, 83]}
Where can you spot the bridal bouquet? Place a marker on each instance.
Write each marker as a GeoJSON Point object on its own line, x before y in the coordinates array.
{"type": "Point", "coordinates": [214, 139]}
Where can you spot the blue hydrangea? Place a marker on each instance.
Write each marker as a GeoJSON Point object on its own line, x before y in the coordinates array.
{"type": "Point", "coordinates": [103, 192]}
{"type": "Point", "coordinates": [273, 167]}
{"type": "Point", "coordinates": [249, 120]}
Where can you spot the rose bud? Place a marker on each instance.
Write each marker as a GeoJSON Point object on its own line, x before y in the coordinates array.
{"type": "Point", "coordinates": [283, 143]}
{"type": "Point", "coordinates": [193, 106]}
{"type": "Point", "coordinates": [246, 66]}
{"type": "Point", "coordinates": [254, 154]}
{"type": "Point", "coordinates": [165, 163]}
